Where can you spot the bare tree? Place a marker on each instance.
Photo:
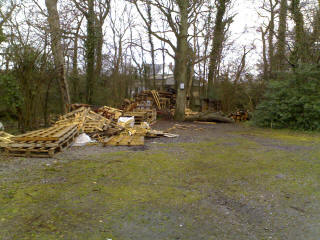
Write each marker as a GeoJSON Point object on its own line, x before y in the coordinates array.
{"type": "Point", "coordinates": [149, 28]}
{"type": "Point", "coordinates": [55, 33]}
{"type": "Point", "coordinates": [179, 14]}
{"type": "Point", "coordinates": [217, 46]}
{"type": "Point", "coordinates": [94, 39]}
{"type": "Point", "coordinates": [281, 43]}
{"type": "Point", "coordinates": [301, 51]}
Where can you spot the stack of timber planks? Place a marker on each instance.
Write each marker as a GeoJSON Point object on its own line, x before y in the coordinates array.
{"type": "Point", "coordinates": [42, 143]}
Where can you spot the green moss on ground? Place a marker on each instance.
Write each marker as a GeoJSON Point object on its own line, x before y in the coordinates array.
{"type": "Point", "coordinates": [101, 196]}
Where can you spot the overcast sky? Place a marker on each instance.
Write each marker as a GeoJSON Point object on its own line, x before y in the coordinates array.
{"type": "Point", "coordinates": [242, 31]}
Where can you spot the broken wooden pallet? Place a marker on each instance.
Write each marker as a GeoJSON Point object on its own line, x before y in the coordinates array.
{"type": "Point", "coordinates": [5, 138]}
{"type": "Point", "coordinates": [42, 143]}
{"type": "Point", "coordinates": [110, 113]}
{"type": "Point", "coordinates": [139, 117]}
{"type": "Point", "coordinates": [78, 117]}
{"type": "Point", "coordinates": [95, 123]}
{"type": "Point", "coordinates": [156, 98]}
{"type": "Point", "coordinates": [124, 140]}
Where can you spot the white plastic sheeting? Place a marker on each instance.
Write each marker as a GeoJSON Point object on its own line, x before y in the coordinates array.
{"type": "Point", "coordinates": [82, 140]}
{"type": "Point", "coordinates": [127, 122]}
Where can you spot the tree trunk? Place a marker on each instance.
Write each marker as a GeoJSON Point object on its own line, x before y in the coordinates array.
{"type": "Point", "coordinates": [264, 54]}
{"type": "Point", "coordinates": [151, 45]}
{"type": "Point", "coordinates": [75, 74]}
{"type": "Point", "coordinates": [99, 42]}
{"type": "Point", "coordinates": [301, 51]}
{"type": "Point", "coordinates": [55, 33]}
{"type": "Point", "coordinates": [163, 82]}
{"type": "Point", "coordinates": [271, 37]}
{"type": "Point", "coordinates": [181, 61]}
{"type": "Point", "coordinates": [217, 45]}
{"type": "Point", "coordinates": [90, 47]}
{"type": "Point", "coordinates": [209, 117]}
{"type": "Point", "coordinates": [281, 45]}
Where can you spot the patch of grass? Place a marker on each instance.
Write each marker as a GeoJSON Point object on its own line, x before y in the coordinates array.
{"type": "Point", "coordinates": [93, 197]}
{"type": "Point", "coordinates": [285, 135]}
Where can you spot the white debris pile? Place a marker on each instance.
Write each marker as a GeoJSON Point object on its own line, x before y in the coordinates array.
{"type": "Point", "coordinates": [82, 140]}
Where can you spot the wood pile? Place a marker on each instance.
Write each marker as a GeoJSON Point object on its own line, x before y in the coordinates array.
{"type": "Point", "coordinates": [140, 116]}
{"type": "Point", "coordinates": [240, 116]}
{"type": "Point", "coordinates": [110, 113]}
{"type": "Point", "coordinates": [5, 139]}
{"type": "Point", "coordinates": [47, 142]}
{"type": "Point", "coordinates": [151, 99]}
{"type": "Point", "coordinates": [95, 125]}
{"type": "Point", "coordinates": [151, 116]}
{"type": "Point", "coordinates": [77, 117]}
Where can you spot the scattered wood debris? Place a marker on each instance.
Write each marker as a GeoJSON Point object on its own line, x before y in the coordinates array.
{"type": "Point", "coordinates": [124, 140]}
{"type": "Point", "coordinates": [47, 142]}
{"type": "Point", "coordinates": [184, 127]}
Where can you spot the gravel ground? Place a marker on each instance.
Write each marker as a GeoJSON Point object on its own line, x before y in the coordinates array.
{"type": "Point", "coordinates": [214, 181]}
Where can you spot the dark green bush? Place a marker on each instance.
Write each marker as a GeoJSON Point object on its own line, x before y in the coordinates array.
{"type": "Point", "coordinates": [292, 101]}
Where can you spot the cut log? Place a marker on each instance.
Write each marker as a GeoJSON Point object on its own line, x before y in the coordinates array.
{"type": "Point", "coordinates": [209, 117]}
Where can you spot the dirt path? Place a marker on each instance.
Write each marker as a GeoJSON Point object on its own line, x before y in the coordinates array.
{"type": "Point", "coordinates": [223, 181]}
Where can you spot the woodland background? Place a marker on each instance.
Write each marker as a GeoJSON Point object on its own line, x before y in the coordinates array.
{"type": "Point", "coordinates": [99, 52]}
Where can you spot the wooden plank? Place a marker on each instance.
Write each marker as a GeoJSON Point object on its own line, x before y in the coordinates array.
{"type": "Point", "coordinates": [156, 98]}
{"type": "Point", "coordinates": [125, 141]}
{"type": "Point", "coordinates": [63, 131]}
{"type": "Point", "coordinates": [41, 135]}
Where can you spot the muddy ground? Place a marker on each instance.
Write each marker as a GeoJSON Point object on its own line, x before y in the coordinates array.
{"type": "Point", "coordinates": [215, 181]}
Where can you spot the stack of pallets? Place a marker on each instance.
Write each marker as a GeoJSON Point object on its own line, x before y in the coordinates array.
{"type": "Point", "coordinates": [151, 116]}
{"type": "Point", "coordinates": [139, 117]}
{"type": "Point", "coordinates": [42, 143]}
